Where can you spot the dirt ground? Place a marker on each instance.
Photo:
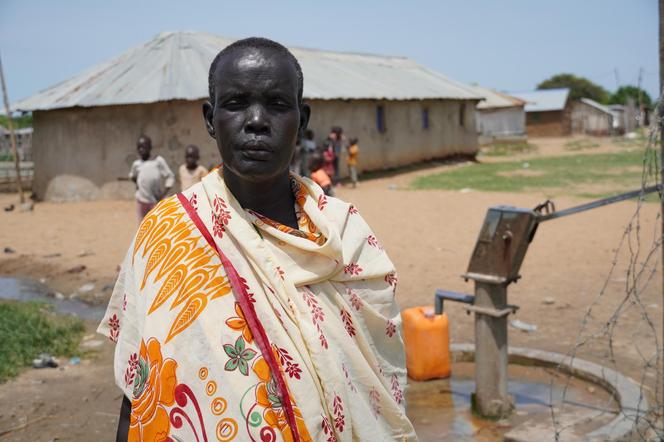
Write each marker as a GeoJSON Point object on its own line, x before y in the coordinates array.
{"type": "Point", "coordinates": [428, 234]}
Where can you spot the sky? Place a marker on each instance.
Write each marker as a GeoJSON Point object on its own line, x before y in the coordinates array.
{"type": "Point", "coordinates": [508, 45]}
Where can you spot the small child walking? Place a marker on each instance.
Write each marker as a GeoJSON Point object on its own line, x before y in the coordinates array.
{"type": "Point", "coordinates": [353, 151]}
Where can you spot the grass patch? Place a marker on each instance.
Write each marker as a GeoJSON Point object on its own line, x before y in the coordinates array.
{"type": "Point", "coordinates": [27, 329]}
{"type": "Point", "coordinates": [640, 139]}
{"type": "Point", "coordinates": [610, 171]}
{"type": "Point", "coordinates": [581, 144]}
{"type": "Point", "coordinates": [506, 149]}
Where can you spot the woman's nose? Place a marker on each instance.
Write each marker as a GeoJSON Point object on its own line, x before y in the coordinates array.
{"type": "Point", "coordinates": [256, 122]}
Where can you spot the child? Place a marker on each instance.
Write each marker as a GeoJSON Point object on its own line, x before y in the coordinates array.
{"type": "Point", "coordinates": [308, 149]}
{"type": "Point", "coordinates": [329, 157]}
{"type": "Point", "coordinates": [191, 172]}
{"type": "Point", "coordinates": [319, 176]}
{"type": "Point", "coordinates": [353, 151]}
{"type": "Point", "coordinates": [152, 176]}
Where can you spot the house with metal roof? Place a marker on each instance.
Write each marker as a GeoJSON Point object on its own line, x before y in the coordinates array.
{"type": "Point", "coordinates": [548, 112]}
{"type": "Point", "coordinates": [87, 126]}
{"type": "Point", "coordinates": [592, 118]}
{"type": "Point", "coordinates": [499, 116]}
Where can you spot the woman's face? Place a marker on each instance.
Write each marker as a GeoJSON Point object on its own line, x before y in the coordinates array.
{"type": "Point", "coordinates": [256, 115]}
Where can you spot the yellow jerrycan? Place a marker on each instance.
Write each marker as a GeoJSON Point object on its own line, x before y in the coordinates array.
{"type": "Point", "coordinates": [427, 340]}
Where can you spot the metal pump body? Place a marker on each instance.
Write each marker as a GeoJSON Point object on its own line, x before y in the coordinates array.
{"type": "Point", "coordinates": [499, 252]}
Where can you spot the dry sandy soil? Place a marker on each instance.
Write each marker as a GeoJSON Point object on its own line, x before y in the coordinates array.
{"type": "Point", "coordinates": [428, 234]}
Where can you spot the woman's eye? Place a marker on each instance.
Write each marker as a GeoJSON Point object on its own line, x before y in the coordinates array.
{"type": "Point", "coordinates": [279, 103]}
{"type": "Point", "coordinates": [233, 103]}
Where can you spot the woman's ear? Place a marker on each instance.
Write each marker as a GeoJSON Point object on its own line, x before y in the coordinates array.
{"type": "Point", "coordinates": [208, 116]}
{"type": "Point", "coordinates": [305, 113]}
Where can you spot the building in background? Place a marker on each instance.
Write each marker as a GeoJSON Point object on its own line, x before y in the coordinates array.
{"type": "Point", "coordinates": [23, 144]}
{"type": "Point", "coordinates": [500, 117]}
{"type": "Point", "coordinates": [548, 112]}
{"type": "Point", "coordinates": [85, 128]}
{"type": "Point", "coordinates": [591, 118]}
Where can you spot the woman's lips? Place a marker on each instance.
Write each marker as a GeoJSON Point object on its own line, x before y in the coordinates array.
{"type": "Point", "coordinates": [257, 151]}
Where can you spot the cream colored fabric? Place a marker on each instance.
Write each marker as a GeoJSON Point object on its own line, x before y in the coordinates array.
{"type": "Point", "coordinates": [328, 310]}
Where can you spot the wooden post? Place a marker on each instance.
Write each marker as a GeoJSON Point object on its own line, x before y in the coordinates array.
{"type": "Point", "coordinates": [12, 135]}
{"type": "Point", "coordinates": [491, 397]}
{"type": "Point", "coordinates": [659, 387]}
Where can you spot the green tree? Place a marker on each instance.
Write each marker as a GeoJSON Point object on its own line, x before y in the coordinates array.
{"type": "Point", "coordinates": [19, 122]}
{"type": "Point", "coordinates": [579, 87]}
{"type": "Point", "coordinates": [624, 92]}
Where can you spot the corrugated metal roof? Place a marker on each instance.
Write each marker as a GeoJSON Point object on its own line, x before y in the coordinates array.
{"type": "Point", "coordinates": [494, 99]}
{"type": "Point", "coordinates": [544, 100]}
{"type": "Point", "coordinates": [596, 105]}
{"type": "Point", "coordinates": [174, 65]}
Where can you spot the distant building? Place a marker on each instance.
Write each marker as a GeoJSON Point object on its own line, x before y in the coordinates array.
{"type": "Point", "coordinates": [591, 118]}
{"type": "Point", "coordinates": [86, 127]}
{"type": "Point", "coordinates": [23, 143]}
{"type": "Point", "coordinates": [626, 117]}
{"type": "Point", "coordinates": [548, 112]}
{"type": "Point", "coordinates": [499, 116]}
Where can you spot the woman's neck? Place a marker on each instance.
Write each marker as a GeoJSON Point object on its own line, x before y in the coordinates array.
{"type": "Point", "coordinates": [272, 198]}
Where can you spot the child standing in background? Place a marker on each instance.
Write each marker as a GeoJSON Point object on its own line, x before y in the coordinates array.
{"type": "Point", "coordinates": [320, 176]}
{"type": "Point", "coordinates": [353, 151]}
{"type": "Point", "coordinates": [191, 172]}
{"type": "Point", "coordinates": [152, 176]}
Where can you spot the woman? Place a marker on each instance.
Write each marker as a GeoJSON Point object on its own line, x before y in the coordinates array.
{"type": "Point", "coordinates": [251, 306]}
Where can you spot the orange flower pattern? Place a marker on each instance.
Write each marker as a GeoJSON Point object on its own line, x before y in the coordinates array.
{"type": "Point", "coordinates": [267, 396]}
{"type": "Point", "coordinates": [240, 323]}
{"type": "Point", "coordinates": [153, 391]}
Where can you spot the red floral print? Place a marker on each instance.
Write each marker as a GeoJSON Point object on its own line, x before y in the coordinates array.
{"type": "Point", "coordinates": [130, 372]}
{"type": "Point", "coordinates": [396, 389]}
{"type": "Point", "coordinates": [114, 324]}
{"type": "Point", "coordinates": [322, 202]}
{"type": "Point", "coordinates": [352, 269]}
{"type": "Point", "coordinates": [348, 322]}
{"type": "Point", "coordinates": [352, 210]}
{"type": "Point", "coordinates": [391, 279]}
{"type": "Point", "coordinates": [374, 401]}
{"type": "Point", "coordinates": [339, 418]}
{"type": "Point", "coordinates": [286, 360]}
{"type": "Point", "coordinates": [390, 328]}
{"type": "Point", "coordinates": [124, 303]}
{"type": "Point", "coordinates": [351, 385]}
{"type": "Point", "coordinates": [327, 429]}
{"type": "Point", "coordinates": [220, 217]}
{"type": "Point", "coordinates": [355, 300]}
{"type": "Point", "coordinates": [194, 201]}
{"type": "Point", "coordinates": [373, 241]}
{"type": "Point", "coordinates": [317, 315]}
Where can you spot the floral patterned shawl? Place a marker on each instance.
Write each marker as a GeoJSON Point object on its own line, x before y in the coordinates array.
{"type": "Point", "coordinates": [315, 354]}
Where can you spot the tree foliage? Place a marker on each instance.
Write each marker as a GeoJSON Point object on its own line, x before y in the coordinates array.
{"type": "Point", "coordinates": [624, 92]}
{"type": "Point", "coordinates": [580, 87]}
{"type": "Point", "coordinates": [20, 122]}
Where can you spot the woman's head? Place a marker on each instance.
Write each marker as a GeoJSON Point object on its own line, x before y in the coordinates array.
{"type": "Point", "coordinates": [255, 110]}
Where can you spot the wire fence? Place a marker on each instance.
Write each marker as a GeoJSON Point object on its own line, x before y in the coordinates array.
{"type": "Point", "coordinates": [635, 319]}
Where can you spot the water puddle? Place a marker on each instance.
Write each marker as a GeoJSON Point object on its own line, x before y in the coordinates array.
{"type": "Point", "coordinates": [440, 409]}
{"type": "Point", "coordinates": [24, 289]}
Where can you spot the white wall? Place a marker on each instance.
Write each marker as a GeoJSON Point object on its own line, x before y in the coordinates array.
{"type": "Point", "coordinates": [501, 122]}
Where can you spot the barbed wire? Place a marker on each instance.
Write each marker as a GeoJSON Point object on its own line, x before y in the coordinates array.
{"type": "Point", "coordinates": [644, 263]}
